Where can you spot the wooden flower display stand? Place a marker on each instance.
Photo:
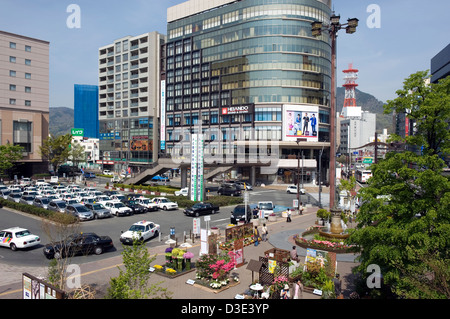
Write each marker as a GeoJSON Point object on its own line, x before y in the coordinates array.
{"type": "Point", "coordinates": [244, 232]}
{"type": "Point", "coordinates": [274, 271]}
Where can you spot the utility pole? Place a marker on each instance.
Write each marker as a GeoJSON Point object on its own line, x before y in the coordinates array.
{"type": "Point", "coordinates": [320, 179]}
{"type": "Point", "coordinates": [298, 182]}
{"type": "Point", "coordinates": [375, 157]}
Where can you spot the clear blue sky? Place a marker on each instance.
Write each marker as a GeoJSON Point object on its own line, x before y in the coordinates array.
{"type": "Point", "coordinates": [411, 33]}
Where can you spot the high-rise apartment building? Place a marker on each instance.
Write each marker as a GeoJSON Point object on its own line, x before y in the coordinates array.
{"type": "Point", "coordinates": [86, 109]}
{"type": "Point", "coordinates": [24, 98]}
{"type": "Point", "coordinates": [245, 73]}
{"type": "Point", "coordinates": [129, 99]}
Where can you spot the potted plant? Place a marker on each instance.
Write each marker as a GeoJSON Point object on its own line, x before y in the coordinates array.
{"type": "Point", "coordinates": [323, 214]}
{"type": "Point", "coordinates": [188, 256]}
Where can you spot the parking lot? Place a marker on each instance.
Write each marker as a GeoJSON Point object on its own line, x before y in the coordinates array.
{"type": "Point", "coordinates": [116, 224]}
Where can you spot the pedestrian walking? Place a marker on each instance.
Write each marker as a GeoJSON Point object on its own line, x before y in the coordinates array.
{"type": "Point", "coordinates": [264, 232]}
{"type": "Point", "coordinates": [288, 215]}
{"type": "Point", "coordinates": [293, 254]}
{"type": "Point", "coordinates": [300, 208]}
{"type": "Point", "coordinates": [338, 287]}
{"type": "Point", "coordinates": [256, 235]}
{"type": "Point", "coordinates": [298, 289]}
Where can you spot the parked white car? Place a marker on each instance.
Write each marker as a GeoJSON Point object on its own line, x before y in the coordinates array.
{"type": "Point", "coordinates": [147, 203]}
{"type": "Point", "coordinates": [292, 189]}
{"type": "Point", "coordinates": [182, 192]}
{"type": "Point", "coordinates": [142, 230]}
{"type": "Point", "coordinates": [164, 203]}
{"type": "Point", "coordinates": [117, 208]}
{"type": "Point", "coordinates": [18, 238]}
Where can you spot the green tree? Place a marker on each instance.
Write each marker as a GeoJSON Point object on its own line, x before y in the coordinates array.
{"type": "Point", "coordinates": [132, 282]}
{"type": "Point", "coordinates": [428, 106]}
{"type": "Point", "coordinates": [77, 154]}
{"type": "Point", "coordinates": [56, 149]}
{"type": "Point", "coordinates": [403, 225]}
{"type": "Point", "coordinates": [9, 155]}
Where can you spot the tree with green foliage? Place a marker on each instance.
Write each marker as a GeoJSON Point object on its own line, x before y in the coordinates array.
{"type": "Point", "coordinates": [9, 155]}
{"type": "Point", "coordinates": [428, 106]}
{"type": "Point", "coordinates": [132, 282]}
{"type": "Point", "coordinates": [56, 149]}
{"type": "Point", "coordinates": [403, 223]}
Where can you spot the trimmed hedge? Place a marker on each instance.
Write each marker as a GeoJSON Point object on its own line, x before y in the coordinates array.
{"type": "Point", "coordinates": [40, 212]}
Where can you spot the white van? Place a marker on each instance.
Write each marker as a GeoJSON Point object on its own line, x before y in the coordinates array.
{"type": "Point", "coordinates": [266, 208]}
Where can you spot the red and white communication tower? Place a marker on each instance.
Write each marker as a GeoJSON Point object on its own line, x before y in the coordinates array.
{"type": "Point", "coordinates": [351, 75]}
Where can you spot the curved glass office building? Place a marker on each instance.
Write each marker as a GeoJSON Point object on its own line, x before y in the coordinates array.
{"type": "Point", "coordinates": [246, 71]}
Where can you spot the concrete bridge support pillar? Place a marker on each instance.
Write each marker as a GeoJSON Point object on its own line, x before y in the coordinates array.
{"type": "Point", "coordinates": [183, 175]}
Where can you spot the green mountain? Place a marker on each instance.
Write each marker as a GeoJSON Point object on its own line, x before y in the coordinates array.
{"type": "Point", "coordinates": [61, 120]}
{"type": "Point", "coordinates": [368, 103]}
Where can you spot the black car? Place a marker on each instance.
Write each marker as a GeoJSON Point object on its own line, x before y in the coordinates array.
{"type": "Point", "coordinates": [135, 206]}
{"type": "Point", "coordinates": [201, 209]}
{"type": "Point", "coordinates": [80, 244]}
{"type": "Point", "coordinates": [229, 190]}
{"type": "Point", "coordinates": [110, 193]}
{"type": "Point", "coordinates": [238, 214]}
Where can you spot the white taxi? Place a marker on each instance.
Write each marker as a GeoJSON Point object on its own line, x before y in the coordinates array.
{"type": "Point", "coordinates": [18, 238]}
{"type": "Point", "coordinates": [142, 230]}
{"type": "Point", "coordinates": [164, 203]}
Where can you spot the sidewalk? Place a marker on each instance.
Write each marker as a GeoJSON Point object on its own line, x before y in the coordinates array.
{"type": "Point", "coordinates": [98, 273]}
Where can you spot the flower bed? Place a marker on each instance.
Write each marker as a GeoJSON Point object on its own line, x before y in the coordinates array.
{"type": "Point", "coordinates": [337, 247]}
{"type": "Point", "coordinates": [178, 262]}
{"type": "Point", "coordinates": [213, 271]}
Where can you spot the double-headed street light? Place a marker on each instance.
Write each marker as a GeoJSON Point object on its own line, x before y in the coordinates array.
{"type": "Point", "coordinates": [333, 29]}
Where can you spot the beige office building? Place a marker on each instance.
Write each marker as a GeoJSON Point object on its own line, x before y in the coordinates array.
{"type": "Point", "coordinates": [24, 97]}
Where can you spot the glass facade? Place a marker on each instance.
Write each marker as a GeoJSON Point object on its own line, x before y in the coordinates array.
{"type": "Point", "coordinates": [86, 109]}
{"type": "Point", "coordinates": [250, 52]}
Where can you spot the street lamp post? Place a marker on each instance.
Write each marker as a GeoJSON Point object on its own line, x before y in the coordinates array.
{"type": "Point", "coordinates": [333, 29]}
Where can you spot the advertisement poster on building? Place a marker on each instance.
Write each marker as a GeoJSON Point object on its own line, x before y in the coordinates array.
{"type": "Point", "coordinates": [300, 121]}
{"type": "Point", "coordinates": [141, 145]}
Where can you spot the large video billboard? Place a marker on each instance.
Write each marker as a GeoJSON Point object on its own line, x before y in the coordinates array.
{"type": "Point", "coordinates": [300, 121]}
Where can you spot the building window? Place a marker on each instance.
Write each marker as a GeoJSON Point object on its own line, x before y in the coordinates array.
{"type": "Point", "coordinates": [22, 134]}
{"type": "Point", "coordinates": [27, 103]}
{"type": "Point", "coordinates": [27, 89]}
{"type": "Point", "coordinates": [12, 73]}
{"type": "Point", "coordinates": [12, 87]}
{"type": "Point", "coordinates": [12, 101]}
{"type": "Point", "coordinates": [27, 75]}
{"type": "Point", "coordinates": [28, 48]}
{"type": "Point", "coordinates": [12, 59]}
{"type": "Point", "coordinates": [27, 62]}
{"type": "Point", "coordinates": [12, 45]}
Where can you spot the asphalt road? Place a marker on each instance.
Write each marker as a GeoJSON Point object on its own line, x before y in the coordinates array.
{"type": "Point", "coordinates": [113, 227]}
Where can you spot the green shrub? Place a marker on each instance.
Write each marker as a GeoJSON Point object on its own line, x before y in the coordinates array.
{"type": "Point", "coordinates": [37, 211]}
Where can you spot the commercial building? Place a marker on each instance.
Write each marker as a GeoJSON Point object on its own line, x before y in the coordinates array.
{"type": "Point", "coordinates": [357, 130]}
{"type": "Point", "coordinates": [129, 100]}
{"type": "Point", "coordinates": [86, 109]}
{"type": "Point", "coordinates": [440, 65]}
{"type": "Point", "coordinates": [250, 76]}
{"type": "Point", "coordinates": [24, 98]}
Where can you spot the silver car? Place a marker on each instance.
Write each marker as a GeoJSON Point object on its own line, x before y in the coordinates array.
{"type": "Point", "coordinates": [15, 197]}
{"type": "Point", "coordinates": [41, 202]}
{"type": "Point", "coordinates": [57, 206]}
{"type": "Point", "coordinates": [99, 210]}
{"type": "Point", "coordinates": [27, 199]}
{"type": "Point", "coordinates": [80, 211]}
